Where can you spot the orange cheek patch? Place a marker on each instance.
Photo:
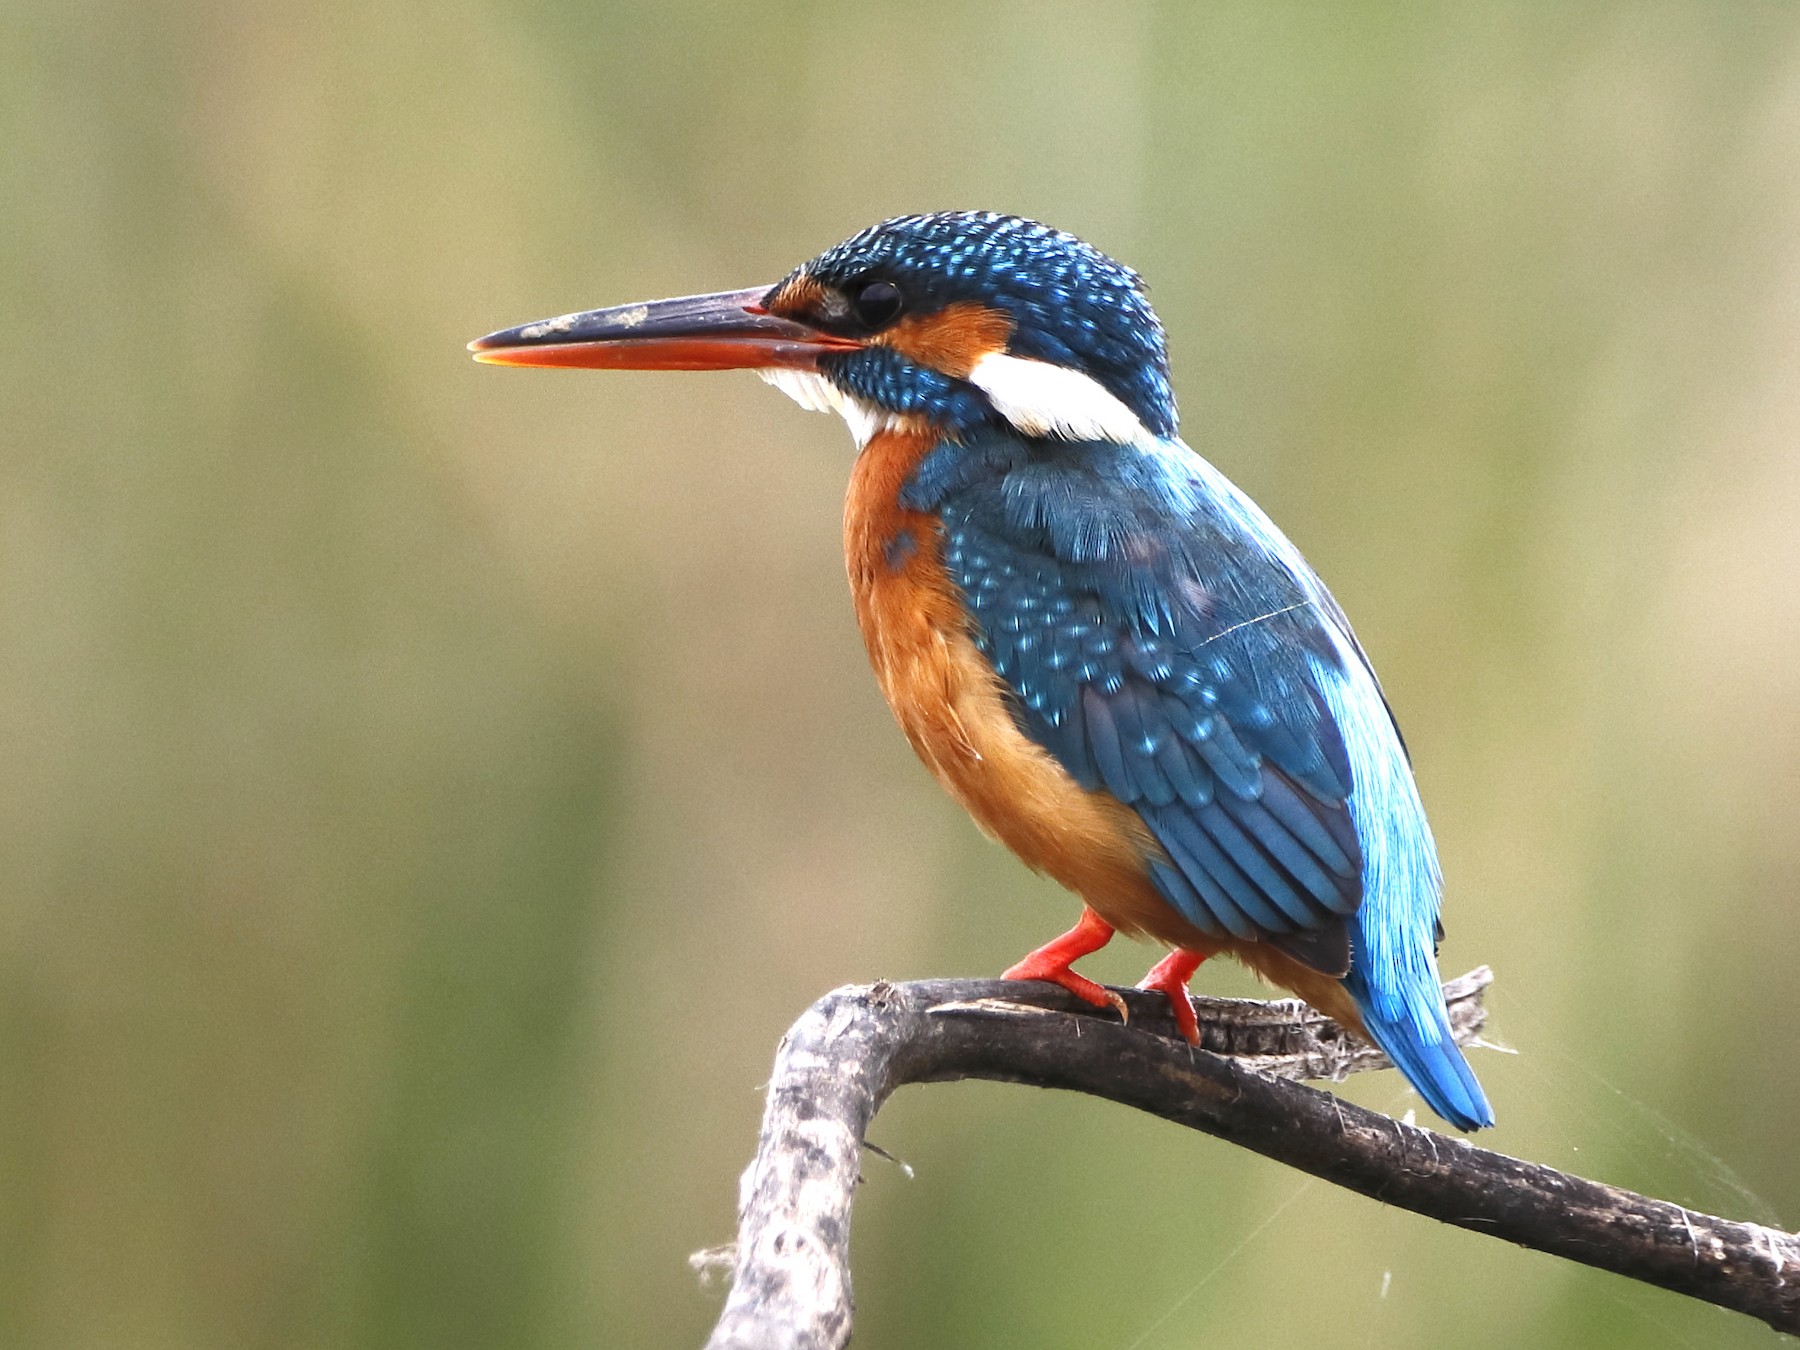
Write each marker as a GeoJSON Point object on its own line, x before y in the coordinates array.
{"type": "Point", "coordinates": [951, 340]}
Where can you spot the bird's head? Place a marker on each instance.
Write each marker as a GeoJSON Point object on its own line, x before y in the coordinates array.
{"type": "Point", "coordinates": [956, 318]}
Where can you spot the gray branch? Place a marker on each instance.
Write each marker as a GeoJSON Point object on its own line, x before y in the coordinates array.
{"type": "Point", "coordinates": [791, 1274]}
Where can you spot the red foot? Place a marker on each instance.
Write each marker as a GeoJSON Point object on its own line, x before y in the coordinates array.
{"type": "Point", "coordinates": [1050, 963]}
{"type": "Point", "coordinates": [1171, 975]}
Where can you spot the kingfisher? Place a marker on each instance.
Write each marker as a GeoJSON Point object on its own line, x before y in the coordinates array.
{"type": "Point", "coordinates": [1102, 648]}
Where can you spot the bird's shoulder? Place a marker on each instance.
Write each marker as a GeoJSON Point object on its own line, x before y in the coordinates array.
{"type": "Point", "coordinates": [1117, 568]}
{"type": "Point", "coordinates": [1168, 645]}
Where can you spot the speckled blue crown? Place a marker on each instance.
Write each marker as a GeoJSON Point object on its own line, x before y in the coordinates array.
{"type": "Point", "coordinates": [1070, 303]}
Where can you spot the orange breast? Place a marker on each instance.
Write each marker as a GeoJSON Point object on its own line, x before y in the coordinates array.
{"type": "Point", "coordinates": [949, 702]}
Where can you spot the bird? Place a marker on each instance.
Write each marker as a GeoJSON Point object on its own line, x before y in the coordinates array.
{"type": "Point", "coordinates": [1102, 648]}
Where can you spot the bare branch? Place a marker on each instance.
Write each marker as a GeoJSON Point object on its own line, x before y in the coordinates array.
{"type": "Point", "coordinates": [851, 1049]}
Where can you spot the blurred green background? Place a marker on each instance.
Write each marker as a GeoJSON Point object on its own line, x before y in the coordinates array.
{"type": "Point", "coordinates": [432, 789]}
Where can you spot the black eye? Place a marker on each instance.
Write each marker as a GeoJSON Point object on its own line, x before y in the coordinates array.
{"type": "Point", "coordinates": [878, 304]}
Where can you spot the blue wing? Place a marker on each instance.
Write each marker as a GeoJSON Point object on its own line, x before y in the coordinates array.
{"type": "Point", "coordinates": [1162, 654]}
{"type": "Point", "coordinates": [1166, 643]}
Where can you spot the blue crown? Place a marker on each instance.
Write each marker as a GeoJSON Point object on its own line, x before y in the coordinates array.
{"type": "Point", "coordinates": [1070, 304]}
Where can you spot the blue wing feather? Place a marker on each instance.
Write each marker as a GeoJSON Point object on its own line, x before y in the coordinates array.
{"type": "Point", "coordinates": [1167, 644]}
{"type": "Point", "coordinates": [1156, 658]}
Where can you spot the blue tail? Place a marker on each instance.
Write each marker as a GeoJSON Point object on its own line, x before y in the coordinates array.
{"type": "Point", "coordinates": [1418, 1040]}
{"type": "Point", "coordinates": [1393, 934]}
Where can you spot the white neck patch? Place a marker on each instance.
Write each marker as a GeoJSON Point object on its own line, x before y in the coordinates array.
{"type": "Point", "coordinates": [815, 393]}
{"type": "Point", "coordinates": [1043, 399]}
{"type": "Point", "coordinates": [1037, 397]}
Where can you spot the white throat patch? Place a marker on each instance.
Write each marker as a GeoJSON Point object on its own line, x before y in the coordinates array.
{"type": "Point", "coordinates": [1043, 399]}
{"type": "Point", "coordinates": [815, 393]}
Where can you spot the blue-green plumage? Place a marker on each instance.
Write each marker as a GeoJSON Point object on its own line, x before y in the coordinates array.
{"type": "Point", "coordinates": [1171, 648]}
{"type": "Point", "coordinates": [1149, 627]}
{"type": "Point", "coordinates": [1163, 663]}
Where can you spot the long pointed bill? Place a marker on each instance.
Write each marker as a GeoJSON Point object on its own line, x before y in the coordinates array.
{"type": "Point", "coordinates": [726, 331]}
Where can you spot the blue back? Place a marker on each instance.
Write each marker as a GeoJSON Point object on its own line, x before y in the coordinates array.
{"type": "Point", "coordinates": [1168, 645]}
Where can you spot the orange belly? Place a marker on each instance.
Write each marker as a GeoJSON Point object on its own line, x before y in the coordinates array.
{"type": "Point", "coordinates": [951, 704]}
